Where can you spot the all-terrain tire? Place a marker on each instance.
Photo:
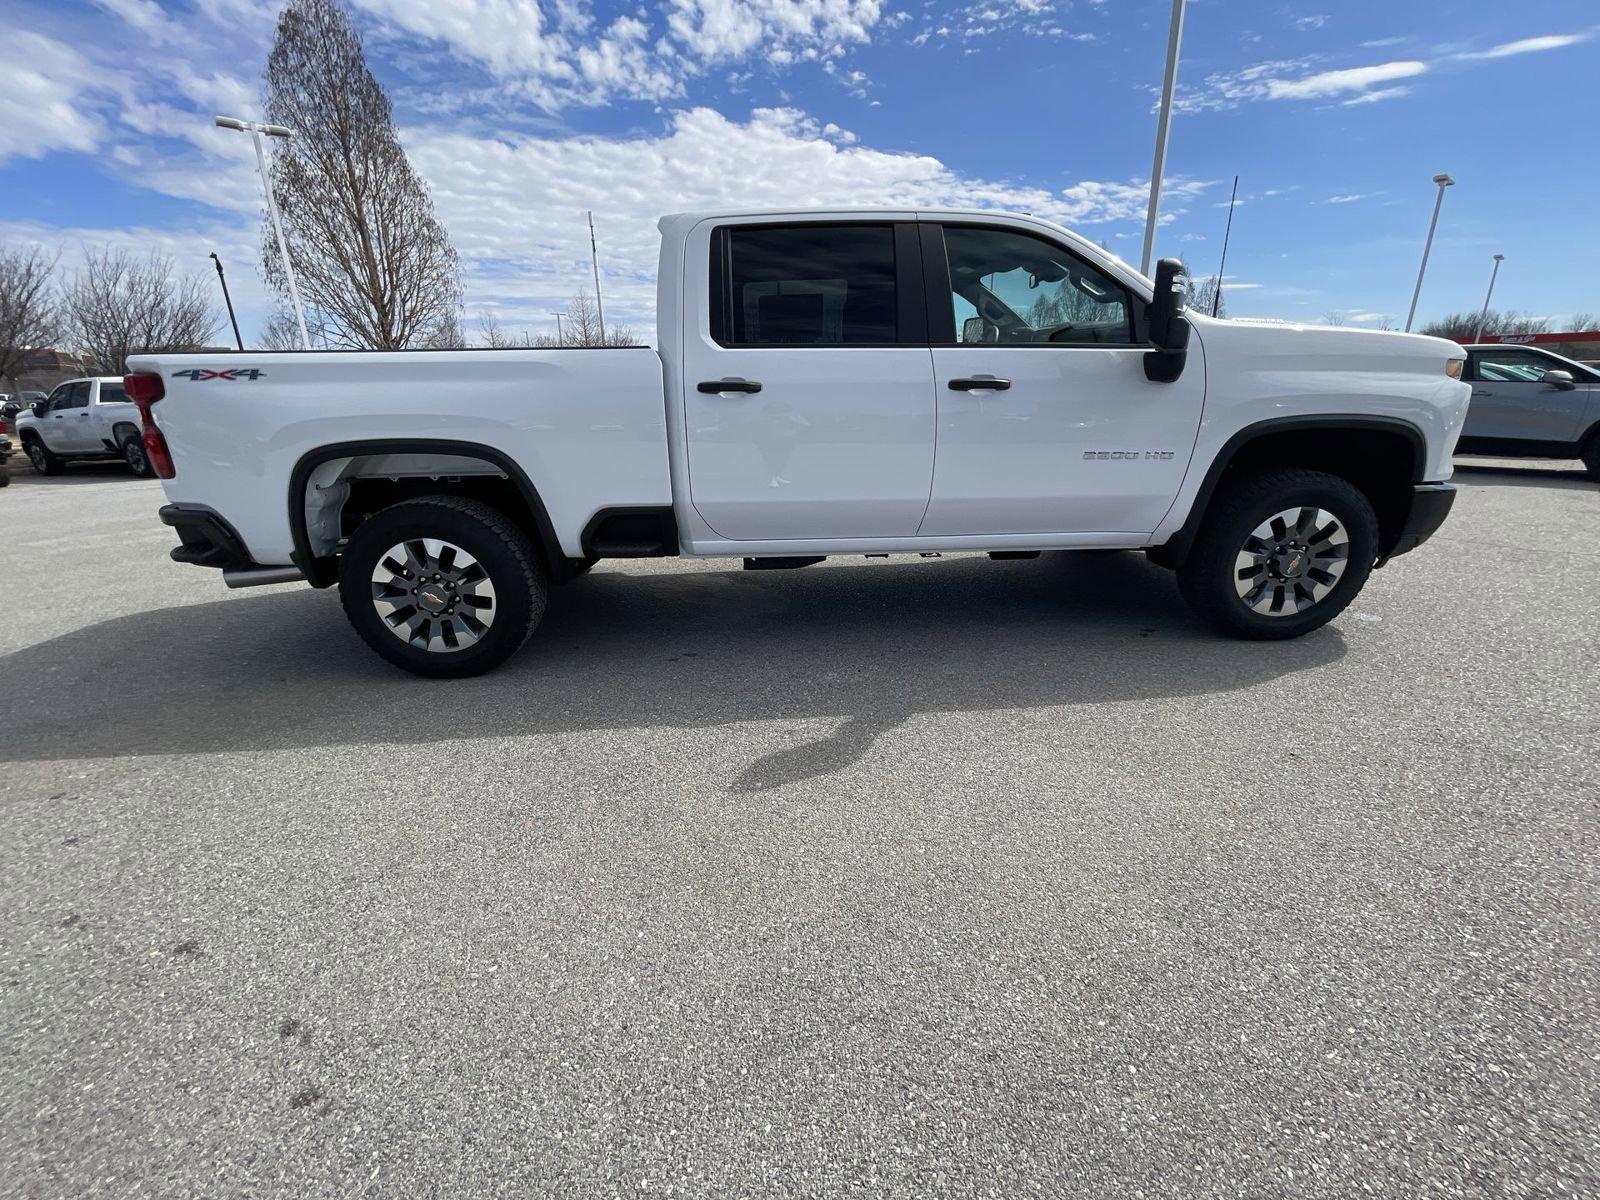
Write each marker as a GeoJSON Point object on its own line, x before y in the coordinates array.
{"type": "Point", "coordinates": [513, 567]}
{"type": "Point", "coordinates": [44, 462]}
{"type": "Point", "coordinates": [1210, 577]}
{"type": "Point", "coordinates": [133, 453]}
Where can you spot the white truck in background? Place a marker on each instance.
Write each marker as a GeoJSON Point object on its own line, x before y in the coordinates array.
{"type": "Point", "coordinates": [83, 419]}
{"type": "Point", "coordinates": [825, 383]}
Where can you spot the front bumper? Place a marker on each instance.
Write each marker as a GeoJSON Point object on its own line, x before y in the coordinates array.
{"type": "Point", "coordinates": [1430, 505]}
{"type": "Point", "coordinates": [206, 539]}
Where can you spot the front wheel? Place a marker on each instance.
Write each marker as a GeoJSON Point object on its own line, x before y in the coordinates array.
{"type": "Point", "coordinates": [1280, 554]}
{"type": "Point", "coordinates": [442, 586]}
{"type": "Point", "coordinates": [1591, 455]}
{"type": "Point", "coordinates": [42, 459]}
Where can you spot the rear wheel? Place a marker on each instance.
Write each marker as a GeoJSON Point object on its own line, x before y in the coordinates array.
{"type": "Point", "coordinates": [40, 456]}
{"type": "Point", "coordinates": [443, 586]}
{"type": "Point", "coordinates": [134, 455]}
{"type": "Point", "coordinates": [1280, 554]}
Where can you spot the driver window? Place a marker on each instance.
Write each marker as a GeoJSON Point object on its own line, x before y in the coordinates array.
{"type": "Point", "coordinates": [1513, 366]}
{"type": "Point", "coordinates": [1010, 288]}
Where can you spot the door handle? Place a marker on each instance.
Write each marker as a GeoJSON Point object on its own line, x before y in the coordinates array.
{"type": "Point", "coordinates": [713, 387]}
{"type": "Point", "coordinates": [979, 384]}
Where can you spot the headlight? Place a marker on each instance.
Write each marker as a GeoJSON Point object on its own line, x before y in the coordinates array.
{"type": "Point", "coordinates": [1452, 367]}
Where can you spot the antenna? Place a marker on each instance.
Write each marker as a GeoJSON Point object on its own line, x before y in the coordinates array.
{"type": "Point", "coordinates": [1216, 298]}
{"type": "Point", "coordinates": [594, 257]}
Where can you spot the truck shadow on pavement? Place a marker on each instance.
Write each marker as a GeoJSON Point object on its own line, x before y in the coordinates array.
{"type": "Point", "coordinates": [871, 644]}
{"type": "Point", "coordinates": [1539, 474]}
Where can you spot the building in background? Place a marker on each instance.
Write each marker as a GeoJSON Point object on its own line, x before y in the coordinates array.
{"type": "Point", "coordinates": [1581, 345]}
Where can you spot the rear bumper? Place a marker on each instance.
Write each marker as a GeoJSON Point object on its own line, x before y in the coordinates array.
{"type": "Point", "coordinates": [1430, 505]}
{"type": "Point", "coordinates": [205, 539]}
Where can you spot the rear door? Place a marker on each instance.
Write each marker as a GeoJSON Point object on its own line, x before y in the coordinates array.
{"type": "Point", "coordinates": [1047, 423]}
{"type": "Point", "coordinates": [808, 389]}
{"type": "Point", "coordinates": [1511, 401]}
{"type": "Point", "coordinates": [111, 405]}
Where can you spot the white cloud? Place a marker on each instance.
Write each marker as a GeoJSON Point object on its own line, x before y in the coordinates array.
{"type": "Point", "coordinates": [1376, 97]}
{"type": "Point", "coordinates": [1335, 83]}
{"type": "Point", "coordinates": [1351, 197]}
{"type": "Point", "coordinates": [1532, 45]}
{"type": "Point", "coordinates": [1311, 21]}
{"type": "Point", "coordinates": [42, 98]}
{"type": "Point", "coordinates": [1288, 79]}
{"type": "Point", "coordinates": [514, 207]}
{"type": "Point", "coordinates": [559, 63]}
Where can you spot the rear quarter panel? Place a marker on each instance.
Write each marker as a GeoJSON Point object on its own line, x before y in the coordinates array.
{"type": "Point", "coordinates": [586, 426]}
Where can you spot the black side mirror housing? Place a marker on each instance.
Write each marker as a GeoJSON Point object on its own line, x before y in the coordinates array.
{"type": "Point", "coordinates": [1169, 327]}
{"type": "Point", "coordinates": [38, 407]}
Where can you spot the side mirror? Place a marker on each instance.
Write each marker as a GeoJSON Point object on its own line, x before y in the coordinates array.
{"type": "Point", "coordinates": [1169, 327]}
{"type": "Point", "coordinates": [976, 331]}
{"type": "Point", "coordinates": [1562, 381]}
{"type": "Point", "coordinates": [38, 407]}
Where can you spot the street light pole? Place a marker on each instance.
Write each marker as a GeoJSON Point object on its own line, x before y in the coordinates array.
{"type": "Point", "coordinates": [1484, 315]}
{"type": "Point", "coordinates": [1443, 180]}
{"type": "Point", "coordinates": [255, 129]}
{"type": "Point", "coordinates": [228, 300]}
{"type": "Point", "coordinates": [1163, 127]}
{"type": "Point", "coordinates": [561, 338]}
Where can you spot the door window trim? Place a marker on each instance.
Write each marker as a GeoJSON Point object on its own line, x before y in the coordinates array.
{"type": "Point", "coordinates": [941, 312]}
{"type": "Point", "coordinates": [911, 324]}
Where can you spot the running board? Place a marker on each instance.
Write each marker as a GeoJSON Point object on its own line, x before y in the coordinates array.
{"type": "Point", "coordinates": [243, 577]}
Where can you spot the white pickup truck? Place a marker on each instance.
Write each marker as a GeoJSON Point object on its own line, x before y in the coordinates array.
{"type": "Point", "coordinates": [82, 418]}
{"type": "Point", "coordinates": [825, 383]}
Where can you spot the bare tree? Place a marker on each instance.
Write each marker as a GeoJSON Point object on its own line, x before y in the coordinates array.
{"type": "Point", "coordinates": [1583, 321]}
{"type": "Point", "coordinates": [281, 332]}
{"type": "Point", "coordinates": [1463, 325]}
{"type": "Point", "coordinates": [446, 334]}
{"type": "Point", "coordinates": [368, 251]}
{"type": "Point", "coordinates": [1207, 292]}
{"type": "Point", "coordinates": [28, 314]}
{"type": "Point", "coordinates": [1333, 317]}
{"type": "Point", "coordinates": [580, 326]}
{"type": "Point", "coordinates": [494, 335]}
{"type": "Point", "coordinates": [119, 304]}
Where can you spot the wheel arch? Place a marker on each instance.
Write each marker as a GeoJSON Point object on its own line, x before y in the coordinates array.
{"type": "Point", "coordinates": [320, 569]}
{"type": "Point", "coordinates": [1383, 456]}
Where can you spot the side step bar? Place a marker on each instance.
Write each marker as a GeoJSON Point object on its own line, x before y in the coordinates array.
{"type": "Point", "coordinates": [243, 577]}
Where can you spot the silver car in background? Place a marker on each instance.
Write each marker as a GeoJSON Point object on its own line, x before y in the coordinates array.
{"type": "Point", "coordinates": [1530, 403]}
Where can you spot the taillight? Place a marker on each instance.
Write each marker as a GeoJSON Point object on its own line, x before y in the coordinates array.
{"type": "Point", "coordinates": [144, 389]}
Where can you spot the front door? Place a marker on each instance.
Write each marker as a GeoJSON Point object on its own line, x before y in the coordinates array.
{"type": "Point", "coordinates": [66, 429]}
{"type": "Point", "coordinates": [1047, 423]}
{"type": "Point", "coordinates": [1511, 400]}
{"type": "Point", "coordinates": [808, 390]}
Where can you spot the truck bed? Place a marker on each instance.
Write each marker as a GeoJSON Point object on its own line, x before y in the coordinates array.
{"type": "Point", "coordinates": [589, 423]}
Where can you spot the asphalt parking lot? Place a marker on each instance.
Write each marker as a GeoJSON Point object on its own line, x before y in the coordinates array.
{"type": "Point", "coordinates": [913, 878]}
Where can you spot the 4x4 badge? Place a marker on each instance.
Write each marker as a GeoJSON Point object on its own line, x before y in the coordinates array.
{"type": "Point", "coordinates": [199, 375]}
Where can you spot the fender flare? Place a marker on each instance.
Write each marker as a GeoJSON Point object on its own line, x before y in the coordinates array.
{"type": "Point", "coordinates": [1175, 549]}
{"type": "Point", "coordinates": [320, 572]}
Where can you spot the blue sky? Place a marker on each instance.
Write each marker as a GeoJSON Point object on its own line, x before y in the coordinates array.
{"type": "Point", "coordinates": [521, 115]}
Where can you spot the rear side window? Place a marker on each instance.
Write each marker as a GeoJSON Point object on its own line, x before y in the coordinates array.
{"type": "Point", "coordinates": [804, 285]}
{"type": "Point", "coordinates": [112, 393]}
